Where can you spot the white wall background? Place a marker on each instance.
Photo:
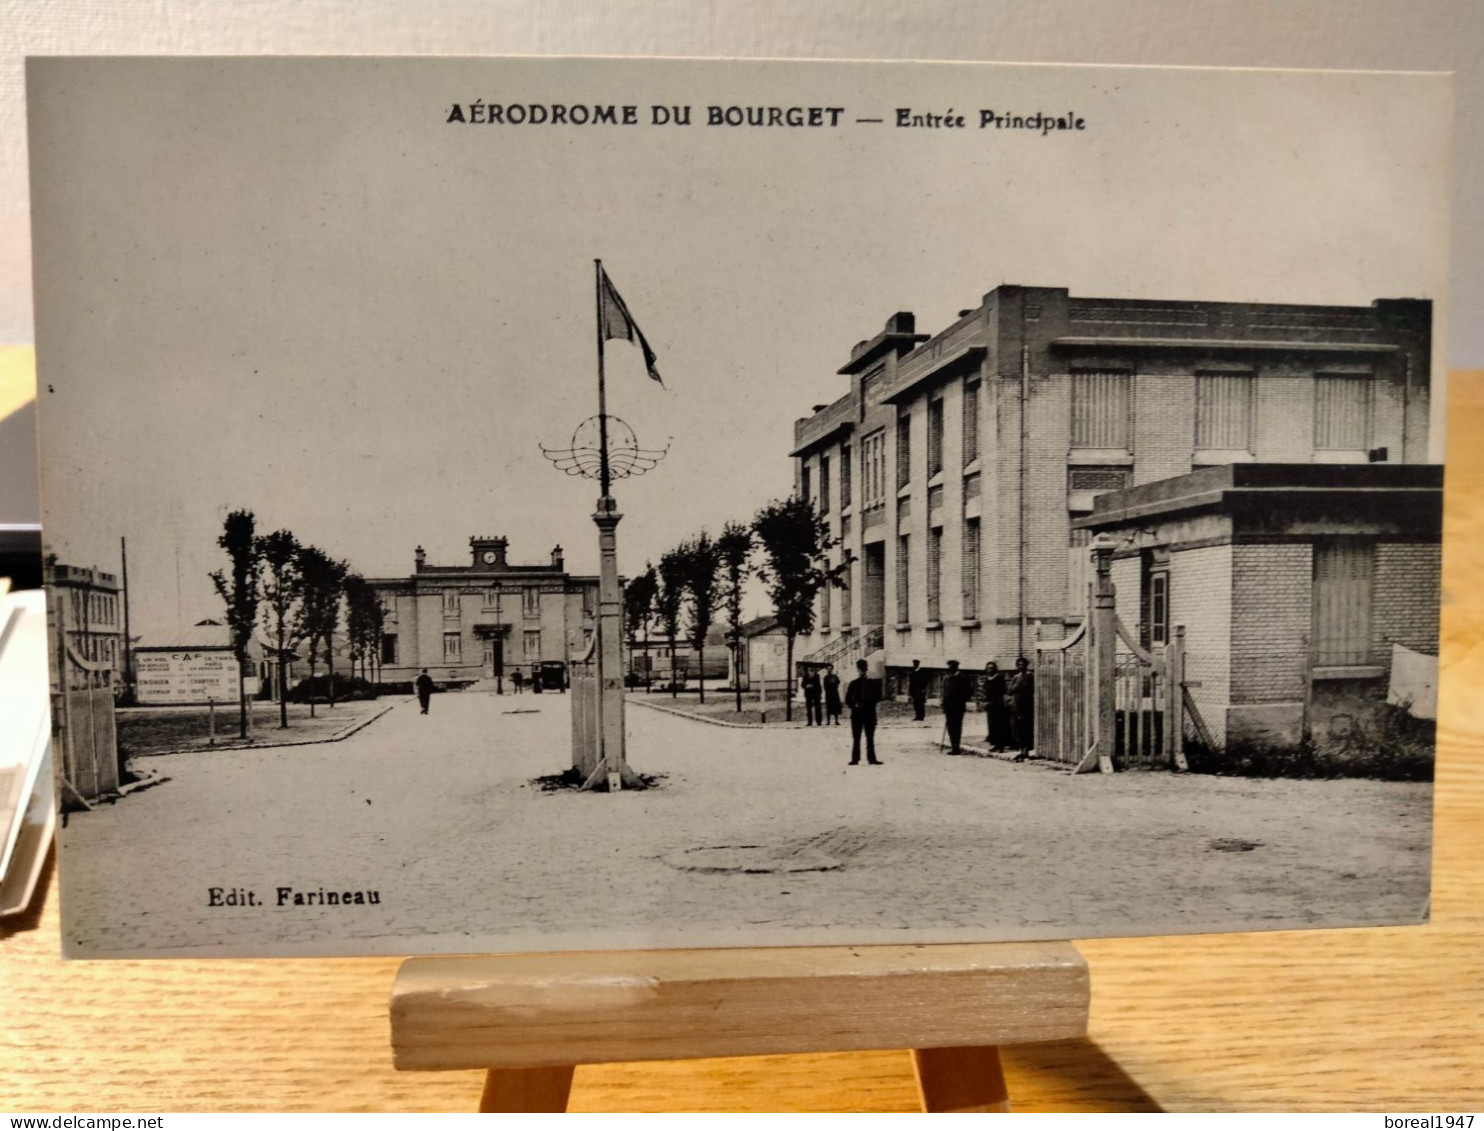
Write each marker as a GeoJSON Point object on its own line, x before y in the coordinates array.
{"type": "Point", "coordinates": [1445, 35]}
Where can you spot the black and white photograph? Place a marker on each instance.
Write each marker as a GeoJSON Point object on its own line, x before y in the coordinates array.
{"type": "Point", "coordinates": [552, 504]}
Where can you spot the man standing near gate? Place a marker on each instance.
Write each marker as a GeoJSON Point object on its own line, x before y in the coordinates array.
{"type": "Point", "coordinates": [861, 697]}
{"type": "Point", "coordinates": [917, 690]}
{"type": "Point", "coordinates": [956, 691]}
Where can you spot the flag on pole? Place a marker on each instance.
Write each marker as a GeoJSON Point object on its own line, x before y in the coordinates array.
{"type": "Point", "coordinates": [615, 321]}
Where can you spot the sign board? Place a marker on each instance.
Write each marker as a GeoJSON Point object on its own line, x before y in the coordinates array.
{"type": "Point", "coordinates": [187, 675]}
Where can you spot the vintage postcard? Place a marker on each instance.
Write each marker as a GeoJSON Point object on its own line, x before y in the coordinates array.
{"type": "Point", "coordinates": [532, 504]}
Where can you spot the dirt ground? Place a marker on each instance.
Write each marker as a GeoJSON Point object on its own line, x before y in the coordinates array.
{"type": "Point", "coordinates": [753, 836]}
{"type": "Point", "coordinates": [145, 731]}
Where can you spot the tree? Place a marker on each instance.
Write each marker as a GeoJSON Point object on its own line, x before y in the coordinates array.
{"type": "Point", "coordinates": [701, 562]}
{"type": "Point", "coordinates": [667, 604]}
{"type": "Point", "coordinates": [322, 582]}
{"type": "Point", "coordinates": [733, 549]}
{"type": "Point", "coordinates": [241, 595]}
{"type": "Point", "coordinates": [795, 542]}
{"type": "Point", "coordinates": [638, 609]}
{"type": "Point", "coordinates": [282, 594]}
{"type": "Point", "coordinates": [364, 616]}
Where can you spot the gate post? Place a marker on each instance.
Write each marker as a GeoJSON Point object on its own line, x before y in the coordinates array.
{"type": "Point", "coordinates": [1175, 713]}
{"type": "Point", "coordinates": [1101, 654]}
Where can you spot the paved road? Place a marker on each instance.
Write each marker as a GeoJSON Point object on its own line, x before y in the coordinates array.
{"type": "Point", "coordinates": [435, 814]}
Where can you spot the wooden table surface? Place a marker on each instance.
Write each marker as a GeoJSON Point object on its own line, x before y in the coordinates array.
{"type": "Point", "coordinates": [1375, 1019]}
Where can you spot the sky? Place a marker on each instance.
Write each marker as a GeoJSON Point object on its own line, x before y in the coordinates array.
{"type": "Point", "coordinates": [293, 286]}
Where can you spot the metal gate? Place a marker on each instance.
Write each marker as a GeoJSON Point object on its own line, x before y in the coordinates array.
{"type": "Point", "coordinates": [1061, 699]}
{"type": "Point", "coordinates": [83, 733]}
{"type": "Point", "coordinates": [1148, 707]}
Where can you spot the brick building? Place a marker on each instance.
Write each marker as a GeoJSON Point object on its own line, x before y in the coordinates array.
{"type": "Point", "coordinates": [1293, 584]}
{"type": "Point", "coordinates": [954, 467]}
{"type": "Point", "coordinates": [483, 619]}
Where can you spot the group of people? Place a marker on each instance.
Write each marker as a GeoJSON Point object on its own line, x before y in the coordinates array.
{"type": "Point", "coordinates": [1009, 705]}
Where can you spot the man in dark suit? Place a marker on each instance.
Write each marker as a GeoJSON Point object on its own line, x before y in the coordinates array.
{"type": "Point", "coordinates": [861, 697]}
{"type": "Point", "coordinates": [956, 692]}
{"type": "Point", "coordinates": [917, 681]}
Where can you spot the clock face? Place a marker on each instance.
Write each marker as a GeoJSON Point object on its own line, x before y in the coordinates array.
{"type": "Point", "coordinates": [489, 557]}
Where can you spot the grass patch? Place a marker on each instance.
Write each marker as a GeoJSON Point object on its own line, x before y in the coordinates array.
{"type": "Point", "coordinates": [1388, 745]}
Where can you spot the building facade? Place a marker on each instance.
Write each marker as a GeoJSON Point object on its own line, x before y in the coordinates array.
{"type": "Point", "coordinates": [485, 618]}
{"type": "Point", "coordinates": [954, 468]}
{"type": "Point", "coordinates": [85, 607]}
{"type": "Point", "coordinates": [1294, 585]}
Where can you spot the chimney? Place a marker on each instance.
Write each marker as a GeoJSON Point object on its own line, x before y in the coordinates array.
{"type": "Point", "coordinates": [902, 322]}
{"type": "Point", "coordinates": [557, 561]}
{"type": "Point", "coordinates": [420, 556]}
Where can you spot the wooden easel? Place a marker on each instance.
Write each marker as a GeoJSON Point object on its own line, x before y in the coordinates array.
{"type": "Point", "coordinates": [530, 1019]}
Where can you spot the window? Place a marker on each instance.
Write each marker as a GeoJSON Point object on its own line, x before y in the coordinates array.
{"type": "Point", "coordinates": [389, 648]}
{"type": "Point", "coordinates": [1097, 479]}
{"type": "Point", "coordinates": [824, 484]}
{"type": "Point", "coordinates": [1344, 571]}
{"type": "Point", "coordinates": [904, 449]}
{"type": "Point", "coordinates": [531, 643]}
{"type": "Point", "coordinates": [450, 602]}
{"type": "Point", "coordinates": [971, 569]}
{"type": "Point", "coordinates": [844, 476]}
{"type": "Point", "coordinates": [453, 647]}
{"type": "Point", "coordinates": [1159, 607]}
{"type": "Point", "coordinates": [934, 574]}
{"type": "Point", "coordinates": [1223, 411]}
{"type": "Point", "coordinates": [935, 437]}
{"type": "Point", "coordinates": [873, 469]}
{"type": "Point", "coordinates": [530, 602]}
{"type": "Point", "coordinates": [1100, 410]}
{"type": "Point", "coordinates": [904, 572]}
{"type": "Point", "coordinates": [1342, 411]}
{"type": "Point", "coordinates": [824, 608]}
{"type": "Point", "coordinates": [971, 422]}
{"type": "Point", "coordinates": [849, 578]}
{"type": "Point", "coordinates": [804, 481]}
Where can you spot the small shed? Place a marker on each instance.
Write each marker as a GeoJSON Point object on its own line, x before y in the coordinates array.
{"type": "Point", "coordinates": [1295, 585]}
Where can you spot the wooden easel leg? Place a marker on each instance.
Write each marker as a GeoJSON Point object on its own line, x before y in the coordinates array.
{"type": "Point", "coordinates": [527, 1089]}
{"type": "Point", "coordinates": [961, 1079]}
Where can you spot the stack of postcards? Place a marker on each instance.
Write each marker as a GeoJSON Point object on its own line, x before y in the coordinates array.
{"type": "Point", "coordinates": [27, 814]}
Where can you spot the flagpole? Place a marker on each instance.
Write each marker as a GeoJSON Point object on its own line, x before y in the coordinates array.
{"type": "Point", "coordinates": [604, 478]}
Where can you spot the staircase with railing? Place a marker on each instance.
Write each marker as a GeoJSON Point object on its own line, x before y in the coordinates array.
{"type": "Point", "coordinates": [846, 649]}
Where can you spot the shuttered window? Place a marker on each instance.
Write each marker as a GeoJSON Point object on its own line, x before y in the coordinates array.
{"type": "Point", "coordinates": [1223, 411]}
{"type": "Point", "coordinates": [971, 569]}
{"type": "Point", "coordinates": [934, 574]}
{"type": "Point", "coordinates": [848, 576]}
{"type": "Point", "coordinates": [805, 483]}
{"type": "Point", "coordinates": [1342, 411]}
{"type": "Point", "coordinates": [873, 469]}
{"type": "Point", "coordinates": [1344, 573]}
{"type": "Point", "coordinates": [824, 484]}
{"type": "Point", "coordinates": [971, 422]}
{"type": "Point", "coordinates": [935, 437]}
{"type": "Point", "coordinates": [904, 450]}
{"type": "Point", "coordinates": [824, 608]}
{"type": "Point", "coordinates": [845, 476]}
{"type": "Point", "coordinates": [1100, 409]}
{"type": "Point", "coordinates": [904, 573]}
{"type": "Point", "coordinates": [1079, 571]}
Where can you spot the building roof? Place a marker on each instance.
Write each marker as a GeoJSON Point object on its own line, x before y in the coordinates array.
{"type": "Point", "coordinates": [1411, 494]}
{"type": "Point", "coordinates": [203, 634]}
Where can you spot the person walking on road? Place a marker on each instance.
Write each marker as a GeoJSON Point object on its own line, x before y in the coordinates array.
{"type": "Point", "coordinates": [917, 681]}
{"type": "Point", "coordinates": [518, 678]}
{"type": "Point", "coordinates": [861, 697]}
{"type": "Point", "coordinates": [1021, 692]}
{"type": "Point", "coordinates": [424, 690]}
{"type": "Point", "coordinates": [996, 710]}
{"type": "Point", "coordinates": [956, 692]}
{"type": "Point", "coordinates": [831, 696]}
{"type": "Point", "coordinates": [812, 693]}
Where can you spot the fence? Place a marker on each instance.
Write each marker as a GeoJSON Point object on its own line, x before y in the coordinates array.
{"type": "Point", "coordinates": [83, 725]}
{"type": "Point", "coordinates": [1102, 707]}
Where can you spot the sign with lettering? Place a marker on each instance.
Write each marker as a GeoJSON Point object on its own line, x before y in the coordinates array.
{"type": "Point", "coordinates": [187, 675]}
